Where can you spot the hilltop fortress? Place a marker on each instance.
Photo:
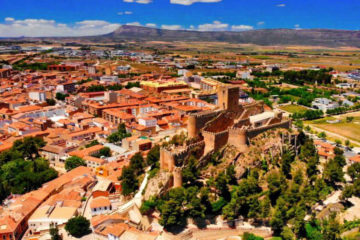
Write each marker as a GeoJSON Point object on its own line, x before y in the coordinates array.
{"type": "Point", "coordinates": [232, 123]}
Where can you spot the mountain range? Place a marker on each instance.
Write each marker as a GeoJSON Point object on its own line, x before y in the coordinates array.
{"type": "Point", "coordinates": [267, 37]}
{"type": "Point", "coordinates": [264, 37]}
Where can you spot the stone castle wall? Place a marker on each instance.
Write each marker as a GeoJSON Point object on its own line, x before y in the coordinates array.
{"type": "Point", "coordinates": [198, 120]}
{"type": "Point", "coordinates": [254, 132]}
{"type": "Point", "coordinates": [214, 141]}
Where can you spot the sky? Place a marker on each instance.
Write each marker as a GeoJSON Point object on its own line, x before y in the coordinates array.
{"type": "Point", "coordinates": [34, 18]}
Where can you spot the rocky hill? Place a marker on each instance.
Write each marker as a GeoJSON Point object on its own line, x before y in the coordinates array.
{"type": "Point", "coordinates": [310, 37]}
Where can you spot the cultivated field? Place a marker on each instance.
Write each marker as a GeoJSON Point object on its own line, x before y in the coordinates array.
{"type": "Point", "coordinates": [347, 129]}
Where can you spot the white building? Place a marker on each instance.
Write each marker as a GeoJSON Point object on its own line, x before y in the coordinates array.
{"type": "Point", "coordinates": [109, 79]}
{"type": "Point", "coordinates": [324, 104]}
{"type": "Point", "coordinates": [148, 122]}
{"type": "Point", "coordinates": [37, 96]}
{"type": "Point", "coordinates": [100, 205]}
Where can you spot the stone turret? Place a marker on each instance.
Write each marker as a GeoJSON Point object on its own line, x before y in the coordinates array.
{"type": "Point", "coordinates": [238, 138]}
{"type": "Point", "coordinates": [177, 175]}
{"type": "Point", "coordinates": [228, 98]}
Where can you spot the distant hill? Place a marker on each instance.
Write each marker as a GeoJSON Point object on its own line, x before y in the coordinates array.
{"type": "Point", "coordinates": [310, 37]}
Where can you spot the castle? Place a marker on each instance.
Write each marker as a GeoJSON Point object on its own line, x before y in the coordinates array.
{"type": "Point", "coordinates": [231, 123]}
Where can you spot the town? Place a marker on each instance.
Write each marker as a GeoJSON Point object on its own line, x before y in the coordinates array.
{"type": "Point", "coordinates": [107, 143]}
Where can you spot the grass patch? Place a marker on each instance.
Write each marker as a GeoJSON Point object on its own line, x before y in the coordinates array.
{"type": "Point", "coordinates": [293, 108]}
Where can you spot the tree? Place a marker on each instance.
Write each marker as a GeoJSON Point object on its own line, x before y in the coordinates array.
{"type": "Point", "coordinates": [250, 236]}
{"type": "Point", "coordinates": [129, 182]}
{"type": "Point", "coordinates": [274, 184]}
{"type": "Point", "coordinates": [54, 232]}
{"type": "Point", "coordinates": [61, 96]}
{"type": "Point", "coordinates": [137, 163]}
{"type": "Point", "coordinates": [311, 166]}
{"type": "Point", "coordinates": [119, 135]}
{"type": "Point", "coordinates": [78, 226]}
{"type": "Point", "coordinates": [92, 143]}
{"type": "Point", "coordinates": [338, 142]}
{"type": "Point", "coordinates": [104, 152]}
{"type": "Point", "coordinates": [333, 172]}
{"type": "Point", "coordinates": [29, 147]}
{"type": "Point", "coordinates": [74, 162]}
{"type": "Point", "coordinates": [277, 222]}
{"type": "Point", "coordinates": [331, 228]}
{"type": "Point", "coordinates": [153, 156]}
{"type": "Point", "coordinates": [172, 215]}
{"type": "Point", "coordinates": [354, 171]}
{"type": "Point", "coordinates": [322, 135]}
{"type": "Point", "coordinates": [286, 160]}
{"type": "Point", "coordinates": [50, 101]}
{"type": "Point", "coordinates": [190, 173]}
{"type": "Point", "coordinates": [287, 234]}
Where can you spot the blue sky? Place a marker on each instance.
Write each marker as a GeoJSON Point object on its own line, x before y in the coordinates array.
{"type": "Point", "coordinates": [89, 17]}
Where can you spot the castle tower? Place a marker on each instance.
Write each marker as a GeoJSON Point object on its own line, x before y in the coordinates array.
{"type": "Point", "coordinates": [177, 175]}
{"type": "Point", "coordinates": [238, 138]}
{"type": "Point", "coordinates": [192, 131]}
{"type": "Point", "coordinates": [228, 98]}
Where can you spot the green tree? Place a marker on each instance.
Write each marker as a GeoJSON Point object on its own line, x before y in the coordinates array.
{"type": "Point", "coordinates": [61, 96]}
{"type": "Point", "coordinates": [190, 173]}
{"type": "Point", "coordinates": [331, 228]}
{"type": "Point", "coordinates": [274, 185]}
{"type": "Point", "coordinates": [172, 214]}
{"type": "Point", "coordinates": [78, 226]}
{"type": "Point", "coordinates": [250, 236]}
{"type": "Point", "coordinates": [29, 147]}
{"type": "Point", "coordinates": [119, 135]}
{"type": "Point", "coordinates": [287, 234]}
{"type": "Point", "coordinates": [50, 101]}
{"type": "Point", "coordinates": [153, 157]}
{"type": "Point", "coordinates": [137, 163]}
{"type": "Point", "coordinates": [92, 143]}
{"type": "Point", "coordinates": [74, 162]}
{"type": "Point", "coordinates": [54, 232]}
{"type": "Point", "coordinates": [333, 172]}
{"type": "Point", "coordinates": [354, 171]}
{"type": "Point", "coordinates": [104, 152]}
{"type": "Point", "coordinates": [322, 135]}
{"type": "Point", "coordinates": [129, 183]}
{"type": "Point", "coordinates": [286, 160]}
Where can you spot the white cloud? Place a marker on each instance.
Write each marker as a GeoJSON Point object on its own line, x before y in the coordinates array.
{"type": "Point", "coordinates": [214, 26]}
{"type": "Point", "coordinates": [138, 1]}
{"type": "Point", "coordinates": [189, 2]}
{"type": "Point", "coordinates": [171, 27]}
{"type": "Point", "coordinates": [9, 19]}
{"type": "Point", "coordinates": [281, 5]}
{"type": "Point", "coordinates": [50, 28]}
{"type": "Point", "coordinates": [125, 13]}
{"type": "Point", "coordinates": [239, 28]}
{"type": "Point", "coordinates": [297, 26]}
{"type": "Point", "coordinates": [151, 25]}
{"type": "Point", "coordinates": [260, 23]}
{"type": "Point", "coordinates": [134, 24]}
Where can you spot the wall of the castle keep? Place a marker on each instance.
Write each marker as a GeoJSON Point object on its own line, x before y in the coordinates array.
{"type": "Point", "coordinates": [214, 141]}
{"type": "Point", "coordinates": [254, 132]}
{"type": "Point", "coordinates": [197, 121]}
{"type": "Point", "coordinates": [238, 138]}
